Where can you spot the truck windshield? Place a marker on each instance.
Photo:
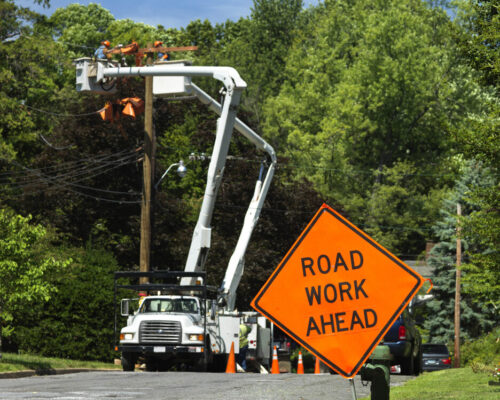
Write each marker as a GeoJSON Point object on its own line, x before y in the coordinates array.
{"type": "Point", "coordinates": [170, 305]}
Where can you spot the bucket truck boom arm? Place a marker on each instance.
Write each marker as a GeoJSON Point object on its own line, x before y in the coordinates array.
{"type": "Point", "coordinates": [88, 76]}
{"type": "Point", "coordinates": [234, 271]}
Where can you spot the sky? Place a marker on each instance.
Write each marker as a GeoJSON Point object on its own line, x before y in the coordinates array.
{"type": "Point", "coordinates": [169, 13]}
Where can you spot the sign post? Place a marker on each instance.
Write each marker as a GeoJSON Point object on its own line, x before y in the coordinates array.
{"type": "Point", "coordinates": [337, 292]}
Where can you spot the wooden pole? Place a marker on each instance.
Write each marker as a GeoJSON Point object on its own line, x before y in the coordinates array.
{"type": "Point", "coordinates": [148, 163]}
{"type": "Point", "coordinates": [456, 361]}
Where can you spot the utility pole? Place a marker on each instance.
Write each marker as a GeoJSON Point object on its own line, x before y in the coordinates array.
{"type": "Point", "coordinates": [149, 158]}
{"type": "Point", "coordinates": [148, 168]}
{"type": "Point", "coordinates": [456, 361]}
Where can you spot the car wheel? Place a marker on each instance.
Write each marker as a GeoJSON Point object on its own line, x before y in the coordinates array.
{"type": "Point", "coordinates": [128, 362]}
{"type": "Point", "coordinates": [417, 364]}
{"type": "Point", "coordinates": [164, 366]}
{"type": "Point", "coordinates": [151, 364]}
{"type": "Point", "coordinates": [407, 365]}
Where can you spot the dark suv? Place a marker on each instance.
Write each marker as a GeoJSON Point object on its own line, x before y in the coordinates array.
{"type": "Point", "coordinates": [405, 343]}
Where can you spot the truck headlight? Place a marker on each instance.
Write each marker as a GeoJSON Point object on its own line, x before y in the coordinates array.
{"type": "Point", "coordinates": [195, 338]}
{"type": "Point", "coordinates": [126, 336]}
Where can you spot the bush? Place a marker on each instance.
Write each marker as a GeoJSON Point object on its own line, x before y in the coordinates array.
{"type": "Point", "coordinates": [483, 352]}
{"type": "Point", "coordinates": [308, 360]}
{"type": "Point", "coordinates": [78, 321]}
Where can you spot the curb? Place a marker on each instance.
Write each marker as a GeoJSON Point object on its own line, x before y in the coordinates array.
{"type": "Point", "coordinates": [58, 371]}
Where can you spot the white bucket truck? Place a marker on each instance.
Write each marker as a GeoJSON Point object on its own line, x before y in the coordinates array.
{"type": "Point", "coordinates": [182, 320]}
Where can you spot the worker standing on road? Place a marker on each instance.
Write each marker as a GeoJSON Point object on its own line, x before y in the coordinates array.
{"type": "Point", "coordinates": [242, 356]}
{"type": "Point", "coordinates": [99, 53]}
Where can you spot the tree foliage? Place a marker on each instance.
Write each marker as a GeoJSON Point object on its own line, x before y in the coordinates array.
{"type": "Point", "coordinates": [373, 107]}
{"type": "Point", "coordinates": [368, 88]}
{"type": "Point", "coordinates": [476, 318]}
{"type": "Point", "coordinates": [77, 322]}
{"type": "Point", "coordinates": [25, 261]}
{"type": "Point", "coordinates": [478, 35]}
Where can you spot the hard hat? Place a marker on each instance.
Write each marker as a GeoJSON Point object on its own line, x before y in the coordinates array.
{"type": "Point", "coordinates": [158, 43]}
{"type": "Point", "coordinates": [105, 43]}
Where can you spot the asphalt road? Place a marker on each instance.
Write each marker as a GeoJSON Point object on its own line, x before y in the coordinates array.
{"type": "Point", "coordinates": [183, 385]}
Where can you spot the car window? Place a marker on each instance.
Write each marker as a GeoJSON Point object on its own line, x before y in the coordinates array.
{"type": "Point", "coordinates": [170, 305]}
{"type": "Point", "coordinates": [435, 348]}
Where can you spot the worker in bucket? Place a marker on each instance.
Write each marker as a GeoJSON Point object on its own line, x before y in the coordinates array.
{"type": "Point", "coordinates": [161, 56]}
{"type": "Point", "coordinates": [99, 53]}
{"type": "Point", "coordinates": [242, 356]}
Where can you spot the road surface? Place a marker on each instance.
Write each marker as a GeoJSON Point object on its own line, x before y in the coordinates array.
{"type": "Point", "coordinates": [183, 385]}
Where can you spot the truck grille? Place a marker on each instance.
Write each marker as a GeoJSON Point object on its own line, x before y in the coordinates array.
{"type": "Point", "coordinates": [160, 332]}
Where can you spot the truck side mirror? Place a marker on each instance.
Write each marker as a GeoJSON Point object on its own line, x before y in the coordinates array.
{"type": "Point", "coordinates": [124, 308]}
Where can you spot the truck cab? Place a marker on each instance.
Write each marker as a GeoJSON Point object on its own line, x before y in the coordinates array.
{"type": "Point", "coordinates": [169, 327]}
{"type": "Point", "coordinates": [162, 327]}
{"type": "Point", "coordinates": [175, 320]}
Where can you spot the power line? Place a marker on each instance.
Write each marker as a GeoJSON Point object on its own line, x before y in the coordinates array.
{"type": "Point", "coordinates": [300, 167]}
{"type": "Point", "coordinates": [84, 173]}
{"type": "Point", "coordinates": [32, 37]}
{"type": "Point", "coordinates": [70, 165]}
{"type": "Point", "coordinates": [52, 146]}
{"type": "Point", "coordinates": [84, 169]}
{"type": "Point", "coordinates": [58, 114]}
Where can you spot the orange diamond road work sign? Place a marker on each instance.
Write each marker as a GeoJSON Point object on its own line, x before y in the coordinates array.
{"type": "Point", "coordinates": [337, 292]}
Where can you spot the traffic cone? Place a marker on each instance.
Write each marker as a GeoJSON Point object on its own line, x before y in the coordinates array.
{"type": "Point", "coordinates": [275, 368]}
{"type": "Point", "coordinates": [231, 362]}
{"type": "Point", "coordinates": [300, 365]}
{"type": "Point", "coordinates": [317, 369]}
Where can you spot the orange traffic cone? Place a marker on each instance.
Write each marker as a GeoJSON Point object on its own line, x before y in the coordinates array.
{"type": "Point", "coordinates": [231, 362]}
{"type": "Point", "coordinates": [300, 366]}
{"type": "Point", "coordinates": [317, 369]}
{"type": "Point", "coordinates": [275, 368]}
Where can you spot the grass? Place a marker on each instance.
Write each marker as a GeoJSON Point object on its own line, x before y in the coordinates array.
{"type": "Point", "coordinates": [21, 362]}
{"type": "Point", "coordinates": [457, 384]}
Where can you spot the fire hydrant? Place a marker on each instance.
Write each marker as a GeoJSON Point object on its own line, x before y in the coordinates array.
{"type": "Point", "coordinates": [377, 370]}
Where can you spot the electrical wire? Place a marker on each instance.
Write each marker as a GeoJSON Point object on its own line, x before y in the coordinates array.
{"type": "Point", "coordinates": [68, 165]}
{"type": "Point", "coordinates": [84, 168]}
{"type": "Point", "coordinates": [52, 146]}
{"type": "Point", "coordinates": [59, 114]}
{"type": "Point", "coordinates": [299, 167]}
{"type": "Point", "coordinates": [83, 175]}
{"type": "Point", "coordinates": [107, 164]}
{"type": "Point", "coordinates": [308, 212]}
{"type": "Point", "coordinates": [31, 37]}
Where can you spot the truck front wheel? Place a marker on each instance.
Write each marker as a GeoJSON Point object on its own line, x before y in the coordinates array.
{"type": "Point", "coordinates": [128, 361]}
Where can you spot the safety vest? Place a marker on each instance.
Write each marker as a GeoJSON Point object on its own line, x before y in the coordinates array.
{"type": "Point", "coordinates": [244, 331]}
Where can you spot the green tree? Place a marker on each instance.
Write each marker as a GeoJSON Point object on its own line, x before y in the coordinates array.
{"type": "Point", "coordinates": [258, 47]}
{"type": "Point", "coordinates": [26, 58]}
{"type": "Point", "coordinates": [25, 262]}
{"type": "Point", "coordinates": [476, 317]}
{"type": "Point", "coordinates": [479, 38]}
{"type": "Point", "coordinates": [78, 321]}
{"type": "Point", "coordinates": [274, 23]}
{"type": "Point", "coordinates": [80, 28]}
{"type": "Point", "coordinates": [372, 85]}
{"type": "Point", "coordinates": [413, 208]}
{"type": "Point", "coordinates": [478, 35]}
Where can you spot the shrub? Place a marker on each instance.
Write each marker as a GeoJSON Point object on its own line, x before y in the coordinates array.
{"type": "Point", "coordinates": [308, 359]}
{"type": "Point", "coordinates": [78, 322]}
{"type": "Point", "coordinates": [483, 352]}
